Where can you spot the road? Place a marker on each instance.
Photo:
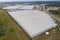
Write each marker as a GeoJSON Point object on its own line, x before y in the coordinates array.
{"type": "Point", "coordinates": [58, 19]}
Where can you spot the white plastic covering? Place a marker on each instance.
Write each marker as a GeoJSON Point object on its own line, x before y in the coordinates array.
{"type": "Point", "coordinates": [11, 7]}
{"type": "Point", "coordinates": [30, 7]}
{"type": "Point", "coordinates": [19, 7]}
{"type": "Point", "coordinates": [33, 22]}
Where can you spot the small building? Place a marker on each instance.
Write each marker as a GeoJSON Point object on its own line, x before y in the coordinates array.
{"type": "Point", "coordinates": [39, 7]}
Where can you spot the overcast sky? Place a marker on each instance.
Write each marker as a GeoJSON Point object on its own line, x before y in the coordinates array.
{"type": "Point", "coordinates": [25, 0]}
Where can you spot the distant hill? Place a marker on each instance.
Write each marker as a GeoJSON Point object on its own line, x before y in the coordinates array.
{"type": "Point", "coordinates": [34, 2]}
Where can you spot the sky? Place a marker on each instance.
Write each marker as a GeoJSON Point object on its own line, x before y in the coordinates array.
{"type": "Point", "coordinates": [25, 0]}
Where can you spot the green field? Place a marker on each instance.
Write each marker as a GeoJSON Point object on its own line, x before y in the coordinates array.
{"type": "Point", "coordinates": [55, 13]}
{"type": "Point", "coordinates": [6, 30]}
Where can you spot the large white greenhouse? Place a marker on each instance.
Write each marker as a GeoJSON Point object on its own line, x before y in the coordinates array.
{"type": "Point", "coordinates": [33, 22]}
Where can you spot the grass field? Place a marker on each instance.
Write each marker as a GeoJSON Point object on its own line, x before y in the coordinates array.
{"type": "Point", "coordinates": [55, 13]}
{"type": "Point", "coordinates": [7, 27]}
